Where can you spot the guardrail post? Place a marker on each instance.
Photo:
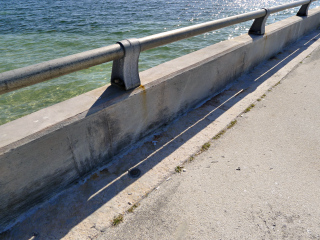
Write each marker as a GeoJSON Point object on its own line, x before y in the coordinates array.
{"type": "Point", "coordinates": [259, 24]}
{"type": "Point", "coordinates": [303, 11]}
{"type": "Point", "coordinates": [125, 71]}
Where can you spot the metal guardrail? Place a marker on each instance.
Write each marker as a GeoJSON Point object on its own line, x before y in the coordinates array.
{"type": "Point", "coordinates": [125, 54]}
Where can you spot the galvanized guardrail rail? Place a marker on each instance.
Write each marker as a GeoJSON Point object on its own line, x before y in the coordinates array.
{"type": "Point", "coordinates": [125, 54]}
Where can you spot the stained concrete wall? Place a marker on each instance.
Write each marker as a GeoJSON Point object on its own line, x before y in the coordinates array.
{"type": "Point", "coordinates": [45, 152]}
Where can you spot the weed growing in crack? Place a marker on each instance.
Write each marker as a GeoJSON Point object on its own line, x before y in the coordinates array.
{"type": "Point", "coordinates": [178, 169]}
{"type": "Point", "coordinates": [117, 220]}
{"type": "Point", "coordinates": [248, 109]}
{"type": "Point", "coordinates": [277, 83]}
{"type": "Point", "coordinates": [205, 147]}
{"type": "Point", "coordinates": [231, 125]}
{"type": "Point", "coordinates": [219, 135]}
{"type": "Point", "coordinates": [130, 210]}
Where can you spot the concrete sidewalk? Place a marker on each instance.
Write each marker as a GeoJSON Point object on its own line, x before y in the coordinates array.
{"type": "Point", "coordinates": [260, 180]}
{"type": "Point", "coordinates": [257, 178]}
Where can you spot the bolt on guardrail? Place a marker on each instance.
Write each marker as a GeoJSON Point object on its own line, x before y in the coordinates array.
{"type": "Point", "coordinates": [125, 54]}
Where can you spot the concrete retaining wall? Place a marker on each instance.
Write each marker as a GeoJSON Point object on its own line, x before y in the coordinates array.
{"type": "Point", "coordinates": [45, 152]}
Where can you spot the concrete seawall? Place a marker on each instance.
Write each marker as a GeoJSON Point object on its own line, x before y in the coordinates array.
{"type": "Point", "coordinates": [45, 152]}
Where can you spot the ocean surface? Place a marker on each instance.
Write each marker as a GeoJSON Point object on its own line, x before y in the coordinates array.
{"type": "Point", "coordinates": [33, 31]}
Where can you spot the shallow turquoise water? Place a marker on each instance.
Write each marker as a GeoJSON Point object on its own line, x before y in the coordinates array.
{"type": "Point", "coordinates": [34, 31]}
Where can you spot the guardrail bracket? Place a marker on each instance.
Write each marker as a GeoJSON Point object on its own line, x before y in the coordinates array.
{"type": "Point", "coordinates": [125, 71]}
{"type": "Point", "coordinates": [259, 25]}
{"type": "Point", "coordinates": [303, 11]}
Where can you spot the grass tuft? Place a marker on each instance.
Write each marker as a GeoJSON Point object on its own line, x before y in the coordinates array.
{"type": "Point", "coordinates": [277, 83]}
{"type": "Point", "coordinates": [130, 210]}
{"type": "Point", "coordinates": [178, 169]}
{"type": "Point", "coordinates": [205, 147]}
{"type": "Point", "coordinates": [231, 125]}
{"type": "Point", "coordinates": [248, 109]}
{"type": "Point", "coordinates": [117, 220]}
{"type": "Point", "coordinates": [219, 135]}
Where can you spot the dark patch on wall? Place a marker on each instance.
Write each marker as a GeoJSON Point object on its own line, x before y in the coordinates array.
{"type": "Point", "coordinates": [35, 193]}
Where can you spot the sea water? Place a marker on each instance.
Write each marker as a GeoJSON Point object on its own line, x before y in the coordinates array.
{"type": "Point", "coordinates": [33, 31]}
